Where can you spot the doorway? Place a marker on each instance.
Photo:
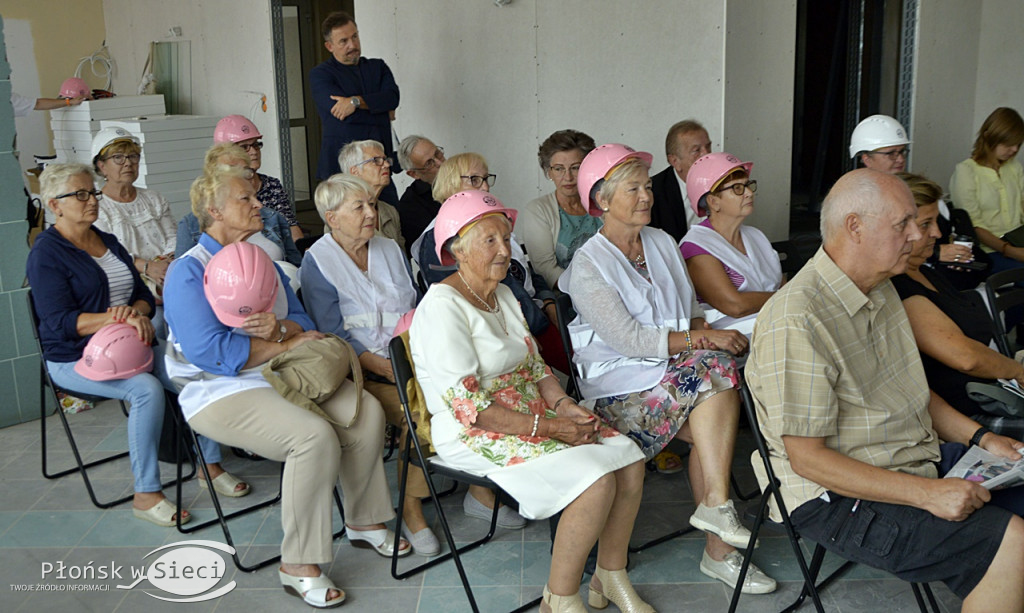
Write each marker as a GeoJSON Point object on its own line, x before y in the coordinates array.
{"type": "Point", "coordinates": [851, 61]}
{"type": "Point", "coordinates": [301, 49]}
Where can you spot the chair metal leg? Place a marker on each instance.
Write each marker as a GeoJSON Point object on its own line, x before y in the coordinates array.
{"type": "Point", "coordinates": [454, 553]}
{"type": "Point", "coordinates": [918, 588]}
{"type": "Point", "coordinates": [223, 518]}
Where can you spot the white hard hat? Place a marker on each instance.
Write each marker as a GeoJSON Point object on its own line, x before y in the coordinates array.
{"type": "Point", "coordinates": [108, 136]}
{"type": "Point", "coordinates": [876, 132]}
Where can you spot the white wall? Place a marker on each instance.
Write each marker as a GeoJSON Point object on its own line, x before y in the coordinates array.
{"type": "Point", "coordinates": [232, 55]}
{"type": "Point", "coordinates": [946, 71]}
{"type": "Point", "coordinates": [760, 56]}
{"type": "Point", "coordinates": [1000, 56]}
{"type": "Point", "coordinates": [476, 77]}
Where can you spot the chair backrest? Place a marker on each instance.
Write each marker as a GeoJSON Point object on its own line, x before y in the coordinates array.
{"type": "Point", "coordinates": [1004, 290]}
{"type": "Point", "coordinates": [762, 448]}
{"type": "Point", "coordinates": [564, 313]}
{"type": "Point", "coordinates": [402, 369]}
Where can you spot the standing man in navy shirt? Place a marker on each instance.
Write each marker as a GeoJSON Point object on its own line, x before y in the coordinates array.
{"type": "Point", "coordinates": [355, 96]}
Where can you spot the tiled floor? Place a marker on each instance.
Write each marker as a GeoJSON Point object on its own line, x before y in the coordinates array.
{"type": "Point", "coordinates": [46, 522]}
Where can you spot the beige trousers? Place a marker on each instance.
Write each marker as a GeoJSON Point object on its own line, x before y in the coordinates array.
{"type": "Point", "coordinates": [387, 394]}
{"type": "Point", "coordinates": [316, 454]}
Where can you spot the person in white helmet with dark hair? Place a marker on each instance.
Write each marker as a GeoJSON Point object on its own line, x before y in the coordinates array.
{"type": "Point", "coordinates": [880, 143]}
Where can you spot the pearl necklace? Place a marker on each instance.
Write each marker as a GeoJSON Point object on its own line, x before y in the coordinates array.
{"type": "Point", "coordinates": [496, 311]}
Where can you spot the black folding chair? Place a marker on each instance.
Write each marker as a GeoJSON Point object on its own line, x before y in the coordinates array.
{"type": "Point", "coordinates": [809, 573]}
{"type": "Point", "coordinates": [1005, 291]}
{"type": "Point", "coordinates": [82, 467]}
{"type": "Point", "coordinates": [403, 374]}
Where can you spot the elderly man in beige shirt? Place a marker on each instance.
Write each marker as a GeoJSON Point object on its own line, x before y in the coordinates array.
{"type": "Point", "coordinates": [850, 422]}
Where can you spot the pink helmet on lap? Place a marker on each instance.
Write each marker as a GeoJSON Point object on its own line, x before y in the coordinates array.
{"type": "Point", "coordinates": [239, 281]}
{"type": "Point", "coordinates": [74, 87]}
{"type": "Point", "coordinates": [598, 163]}
{"type": "Point", "coordinates": [705, 174]}
{"type": "Point", "coordinates": [235, 128]}
{"type": "Point", "coordinates": [459, 211]}
{"type": "Point", "coordinates": [115, 352]}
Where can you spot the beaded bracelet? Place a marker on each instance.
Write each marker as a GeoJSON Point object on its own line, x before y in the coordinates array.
{"type": "Point", "coordinates": [536, 422]}
{"type": "Point", "coordinates": [689, 345]}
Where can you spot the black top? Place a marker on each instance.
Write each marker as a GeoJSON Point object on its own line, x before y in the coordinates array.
{"type": "Point", "coordinates": [416, 209]}
{"type": "Point", "coordinates": [968, 312]}
{"type": "Point", "coordinates": [669, 211]}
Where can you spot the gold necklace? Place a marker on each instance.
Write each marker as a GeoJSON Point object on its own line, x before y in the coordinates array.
{"type": "Point", "coordinates": [496, 311]}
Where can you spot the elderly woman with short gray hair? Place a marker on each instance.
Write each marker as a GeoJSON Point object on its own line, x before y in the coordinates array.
{"type": "Point", "coordinates": [366, 159]}
{"type": "Point", "coordinates": [656, 371]}
{"type": "Point", "coordinates": [554, 226]}
{"type": "Point", "coordinates": [357, 285]}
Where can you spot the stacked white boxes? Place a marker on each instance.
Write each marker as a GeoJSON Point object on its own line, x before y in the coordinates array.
{"type": "Point", "coordinates": [73, 127]}
{"type": "Point", "coordinates": [173, 148]}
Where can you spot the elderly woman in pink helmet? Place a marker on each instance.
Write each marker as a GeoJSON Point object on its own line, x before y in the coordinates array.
{"type": "Point", "coordinates": [218, 357]}
{"type": "Point", "coordinates": [240, 130]}
{"type": "Point", "coordinates": [733, 266]}
{"type": "Point", "coordinates": [497, 410]}
{"type": "Point", "coordinates": [83, 281]}
{"type": "Point", "coordinates": [645, 354]}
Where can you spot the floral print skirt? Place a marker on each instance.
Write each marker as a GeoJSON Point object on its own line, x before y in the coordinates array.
{"type": "Point", "coordinates": [653, 417]}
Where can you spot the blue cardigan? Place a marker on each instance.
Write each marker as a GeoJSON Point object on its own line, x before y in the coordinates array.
{"type": "Point", "coordinates": [67, 282]}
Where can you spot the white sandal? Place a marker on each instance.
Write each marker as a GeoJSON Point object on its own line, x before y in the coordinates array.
{"type": "Point", "coordinates": [225, 484]}
{"type": "Point", "coordinates": [381, 540]}
{"type": "Point", "coordinates": [312, 590]}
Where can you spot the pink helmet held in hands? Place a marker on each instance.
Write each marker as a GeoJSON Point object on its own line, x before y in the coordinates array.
{"type": "Point", "coordinates": [459, 211]}
{"type": "Point", "coordinates": [74, 87]}
{"type": "Point", "coordinates": [239, 281]}
{"type": "Point", "coordinates": [596, 166]}
{"type": "Point", "coordinates": [235, 128]}
{"type": "Point", "coordinates": [705, 174]}
{"type": "Point", "coordinates": [115, 352]}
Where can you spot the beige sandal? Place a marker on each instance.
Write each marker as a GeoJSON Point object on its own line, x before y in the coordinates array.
{"type": "Point", "coordinates": [225, 484]}
{"type": "Point", "coordinates": [312, 590]}
{"type": "Point", "coordinates": [161, 514]}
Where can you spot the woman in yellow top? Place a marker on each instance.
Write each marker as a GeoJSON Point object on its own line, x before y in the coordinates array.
{"type": "Point", "coordinates": [990, 186]}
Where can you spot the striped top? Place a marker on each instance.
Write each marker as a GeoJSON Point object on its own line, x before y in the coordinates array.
{"type": "Point", "coordinates": [119, 278]}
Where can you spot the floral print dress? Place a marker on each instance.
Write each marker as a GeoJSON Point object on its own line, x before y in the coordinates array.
{"type": "Point", "coordinates": [653, 418]}
{"type": "Point", "coordinates": [468, 362]}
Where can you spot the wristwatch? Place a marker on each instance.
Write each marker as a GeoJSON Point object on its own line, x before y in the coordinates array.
{"type": "Point", "coordinates": [355, 101]}
{"type": "Point", "coordinates": [976, 439]}
{"type": "Point", "coordinates": [283, 331]}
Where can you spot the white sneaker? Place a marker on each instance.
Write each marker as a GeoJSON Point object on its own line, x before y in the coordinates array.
{"type": "Point", "coordinates": [722, 521]}
{"type": "Point", "coordinates": [507, 518]}
{"type": "Point", "coordinates": [728, 570]}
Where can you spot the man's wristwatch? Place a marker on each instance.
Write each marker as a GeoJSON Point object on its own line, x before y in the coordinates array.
{"type": "Point", "coordinates": [283, 331]}
{"type": "Point", "coordinates": [355, 101]}
{"type": "Point", "coordinates": [976, 439]}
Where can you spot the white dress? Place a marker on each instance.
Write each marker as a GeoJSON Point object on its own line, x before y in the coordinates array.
{"type": "Point", "coordinates": [464, 362]}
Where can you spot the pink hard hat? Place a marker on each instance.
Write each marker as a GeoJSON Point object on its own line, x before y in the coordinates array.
{"type": "Point", "coordinates": [404, 323]}
{"type": "Point", "coordinates": [598, 163]}
{"type": "Point", "coordinates": [459, 211]}
{"type": "Point", "coordinates": [115, 352]}
{"type": "Point", "coordinates": [705, 174]}
{"type": "Point", "coordinates": [235, 128]}
{"type": "Point", "coordinates": [239, 281]}
{"type": "Point", "coordinates": [74, 87]}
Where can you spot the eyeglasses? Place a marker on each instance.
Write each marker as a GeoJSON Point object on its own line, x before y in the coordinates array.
{"type": "Point", "coordinates": [83, 195]}
{"type": "Point", "coordinates": [257, 146]}
{"type": "Point", "coordinates": [121, 158]}
{"type": "Point", "coordinates": [477, 180]}
{"type": "Point", "coordinates": [559, 171]}
{"type": "Point", "coordinates": [739, 188]}
{"type": "Point", "coordinates": [379, 160]}
{"type": "Point", "coordinates": [435, 160]}
{"type": "Point", "coordinates": [893, 155]}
